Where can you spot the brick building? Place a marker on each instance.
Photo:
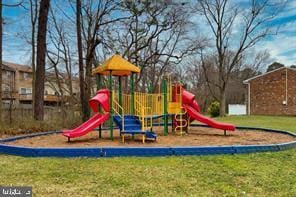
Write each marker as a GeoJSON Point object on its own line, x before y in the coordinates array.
{"type": "Point", "coordinates": [17, 85]}
{"type": "Point", "coordinates": [272, 93]}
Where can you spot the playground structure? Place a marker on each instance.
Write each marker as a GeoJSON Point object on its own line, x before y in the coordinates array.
{"type": "Point", "coordinates": [134, 113]}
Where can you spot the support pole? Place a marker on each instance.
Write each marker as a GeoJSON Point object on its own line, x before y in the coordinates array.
{"type": "Point", "coordinates": [111, 109]}
{"type": "Point", "coordinates": [133, 93]}
{"type": "Point", "coordinates": [173, 123]}
{"type": "Point", "coordinates": [165, 107]}
{"type": "Point", "coordinates": [150, 102]}
{"type": "Point", "coordinates": [98, 88]}
{"type": "Point", "coordinates": [98, 82]}
{"type": "Point", "coordinates": [120, 94]}
{"type": "Point", "coordinates": [181, 104]}
{"type": "Point", "coordinates": [150, 88]}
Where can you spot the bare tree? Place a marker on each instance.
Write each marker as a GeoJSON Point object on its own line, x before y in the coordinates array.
{"type": "Point", "coordinates": [1, 39]}
{"type": "Point", "coordinates": [274, 65]}
{"type": "Point", "coordinates": [8, 83]}
{"type": "Point", "coordinates": [236, 91]}
{"type": "Point", "coordinates": [155, 37]}
{"type": "Point", "coordinates": [83, 99]}
{"type": "Point", "coordinates": [59, 53]}
{"type": "Point", "coordinates": [95, 17]}
{"type": "Point", "coordinates": [40, 67]}
{"type": "Point", "coordinates": [58, 81]}
{"type": "Point", "coordinates": [222, 17]}
{"type": "Point", "coordinates": [33, 20]}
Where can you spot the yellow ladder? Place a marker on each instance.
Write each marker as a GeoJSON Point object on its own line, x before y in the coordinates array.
{"type": "Point", "coordinates": [182, 121]}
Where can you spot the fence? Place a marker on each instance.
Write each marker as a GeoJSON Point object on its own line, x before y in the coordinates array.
{"type": "Point", "coordinates": [50, 113]}
{"type": "Point", "coordinates": [154, 102]}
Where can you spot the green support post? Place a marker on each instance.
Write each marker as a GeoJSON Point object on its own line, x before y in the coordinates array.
{"type": "Point", "coordinates": [150, 88]}
{"type": "Point", "coordinates": [98, 88]}
{"type": "Point", "coordinates": [98, 81]}
{"type": "Point", "coordinates": [111, 109]}
{"type": "Point", "coordinates": [165, 107]}
{"type": "Point", "coordinates": [120, 94]}
{"type": "Point", "coordinates": [133, 93]}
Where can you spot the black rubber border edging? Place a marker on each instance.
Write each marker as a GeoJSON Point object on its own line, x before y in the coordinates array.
{"type": "Point", "coordinates": [142, 151]}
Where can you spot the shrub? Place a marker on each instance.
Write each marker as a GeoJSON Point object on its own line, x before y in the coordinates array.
{"type": "Point", "coordinates": [24, 123]}
{"type": "Point", "coordinates": [214, 109]}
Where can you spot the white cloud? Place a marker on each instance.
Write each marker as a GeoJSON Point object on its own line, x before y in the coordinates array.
{"type": "Point", "coordinates": [281, 49]}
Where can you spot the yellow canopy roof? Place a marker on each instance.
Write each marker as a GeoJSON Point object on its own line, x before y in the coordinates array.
{"type": "Point", "coordinates": [118, 65]}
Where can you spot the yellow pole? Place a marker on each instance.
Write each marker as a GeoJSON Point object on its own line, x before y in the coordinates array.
{"type": "Point", "coordinates": [181, 116]}
{"type": "Point", "coordinates": [159, 87]}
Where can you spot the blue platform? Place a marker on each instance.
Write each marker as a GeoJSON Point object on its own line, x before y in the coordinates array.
{"type": "Point", "coordinates": [133, 126]}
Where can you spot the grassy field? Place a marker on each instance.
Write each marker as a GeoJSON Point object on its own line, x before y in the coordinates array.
{"type": "Point", "coordinates": [262, 174]}
{"type": "Point", "coordinates": [275, 122]}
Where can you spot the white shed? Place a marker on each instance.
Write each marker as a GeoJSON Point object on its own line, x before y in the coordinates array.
{"type": "Point", "coordinates": [237, 109]}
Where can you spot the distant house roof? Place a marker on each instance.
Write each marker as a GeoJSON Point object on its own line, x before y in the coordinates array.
{"type": "Point", "coordinates": [258, 76]}
{"type": "Point", "coordinates": [118, 65]}
{"type": "Point", "coordinates": [62, 75]}
{"type": "Point", "coordinates": [4, 67]}
{"type": "Point", "coordinates": [24, 68]}
{"type": "Point", "coordinates": [19, 67]}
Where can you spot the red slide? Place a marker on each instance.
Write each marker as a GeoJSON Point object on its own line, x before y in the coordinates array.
{"type": "Point", "coordinates": [192, 108]}
{"type": "Point", "coordinates": [102, 98]}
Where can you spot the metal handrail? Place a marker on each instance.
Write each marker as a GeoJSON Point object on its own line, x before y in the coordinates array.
{"type": "Point", "coordinates": [147, 118]}
{"type": "Point", "coordinates": [141, 112]}
{"type": "Point", "coordinates": [117, 112]}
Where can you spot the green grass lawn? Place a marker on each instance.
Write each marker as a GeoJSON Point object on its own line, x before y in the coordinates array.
{"type": "Point", "coordinates": [261, 174]}
{"type": "Point", "coordinates": [275, 122]}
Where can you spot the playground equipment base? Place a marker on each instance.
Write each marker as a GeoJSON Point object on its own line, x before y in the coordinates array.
{"type": "Point", "coordinates": [191, 144]}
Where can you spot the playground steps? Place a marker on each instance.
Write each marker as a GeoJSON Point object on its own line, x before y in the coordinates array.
{"type": "Point", "coordinates": [132, 125]}
{"type": "Point", "coordinates": [130, 122]}
{"type": "Point", "coordinates": [151, 135]}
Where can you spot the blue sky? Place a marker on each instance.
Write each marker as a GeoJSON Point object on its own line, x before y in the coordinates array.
{"type": "Point", "coordinates": [282, 47]}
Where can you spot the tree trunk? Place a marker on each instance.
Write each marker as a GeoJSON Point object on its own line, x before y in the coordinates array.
{"type": "Point", "coordinates": [1, 33]}
{"type": "Point", "coordinates": [222, 101]}
{"type": "Point", "coordinates": [83, 100]}
{"type": "Point", "coordinates": [33, 67]}
{"type": "Point", "coordinates": [69, 72]}
{"type": "Point", "coordinates": [33, 11]}
{"type": "Point", "coordinates": [40, 67]}
{"type": "Point", "coordinates": [61, 93]}
{"type": "Point", "coordinates": [88, 84]}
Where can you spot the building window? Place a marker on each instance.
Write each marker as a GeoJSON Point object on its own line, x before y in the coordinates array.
{"type": "Point", "coordinates": [26, 76]}
{"type": "Point", "coordinates": [5, 88]}
{"type": "Point", "coordinates": [45, 92]}
{"type": "Point", "coordinates": [23, 90]}
{"type": "Point", "coordinates": [8, 73]}
{"type": "Point", "coordinates": [26, 90]}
